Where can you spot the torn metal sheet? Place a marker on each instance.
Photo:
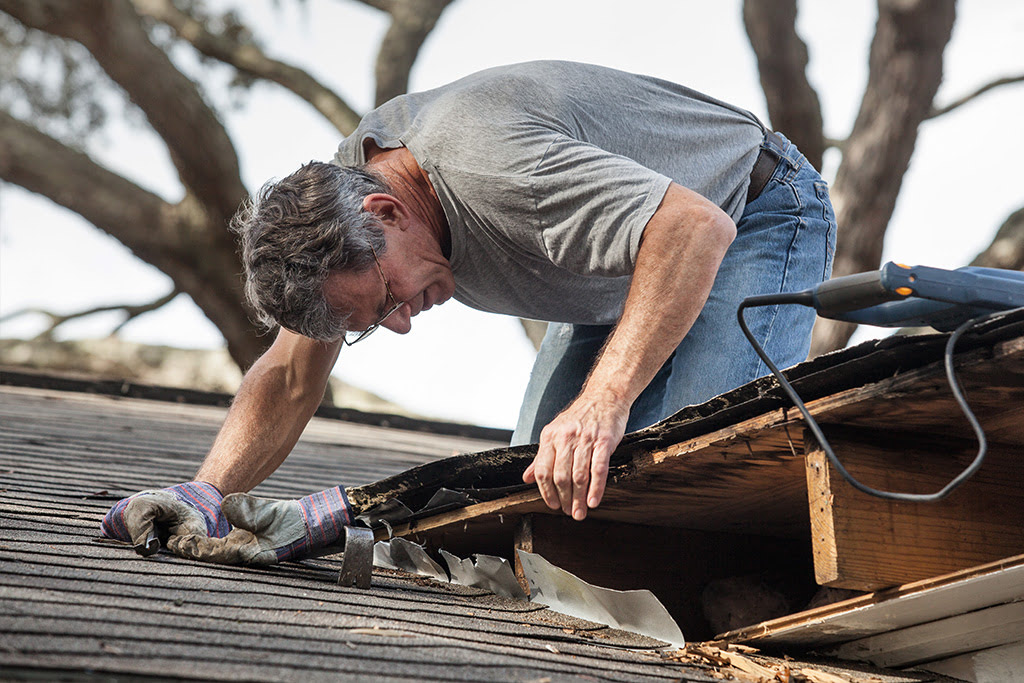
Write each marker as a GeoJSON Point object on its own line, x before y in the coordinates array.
{"type": "Point", "coordinates": [485, 571]}
{"type": "Point", "coordinates": [407, 556]}
{"type": "Point", "coordinates": [394, 511]}
{"type": "Point", "coordinates": [446, 499]}
{"type": "Point", "coordinates": [382, 555]}
{"type": "Point", "coordinates": [388, 513]}
{"type": "Point", "coordinates": [636, 610]}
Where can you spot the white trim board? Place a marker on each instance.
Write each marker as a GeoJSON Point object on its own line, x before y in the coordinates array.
{"type": "Point", "coordinates": [1003, 664]}
{"type": "Point", "coordinates": [945, 601]}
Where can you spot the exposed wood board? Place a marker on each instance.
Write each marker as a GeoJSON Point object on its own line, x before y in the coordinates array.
{"type": "Point", "coordinates": [748, 474]}
{"type": "Point", "coordinates": [920, 401]}
{"type": "Point", "coordinates": [512, 505]}
{"type": "Point", "coordinates": [996, 665]}
{"type": "Point", "coordinates": [940, 639]}
{"type": "Point", "coordinates": [915, 603]}
{"type": "Point", "coordinates": [749, 484]}
{"type": "Point", "coordinates": [861, 542]}
{"type": "Point", "coordinates": [827, 375]}
{"type": "Point", "coordinates": [705, 490]}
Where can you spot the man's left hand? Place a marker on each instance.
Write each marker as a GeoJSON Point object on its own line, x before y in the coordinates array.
{"type": "Point", "coordinates": [571, 466]}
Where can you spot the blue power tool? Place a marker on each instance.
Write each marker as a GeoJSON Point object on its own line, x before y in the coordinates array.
{"type": "Point", "coordinates": [904, 296]}
{"type": "Point", "coordinates": [914, 296]}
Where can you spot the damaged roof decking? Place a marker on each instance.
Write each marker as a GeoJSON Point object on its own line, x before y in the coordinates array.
{"type": "Point", "coordinates": [731, 487]}
{"type": "Point", "coordinates": [739, 457]}
{"type": "Point", "coordinates": [736, 463]}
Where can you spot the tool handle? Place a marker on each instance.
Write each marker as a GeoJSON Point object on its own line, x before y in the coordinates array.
{"type": "Point", "coordinates": [852, 292]}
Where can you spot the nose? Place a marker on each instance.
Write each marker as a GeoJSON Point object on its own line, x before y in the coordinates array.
{"type": "Point", "coordinates": [400, 321]}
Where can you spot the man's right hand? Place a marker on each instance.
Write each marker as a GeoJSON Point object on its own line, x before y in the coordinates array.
{"type": "Point", "coordinates": [268, 531]}
{"type": "Point", "coordinates": [192, 508]}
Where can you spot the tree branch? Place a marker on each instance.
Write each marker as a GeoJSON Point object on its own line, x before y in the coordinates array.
{"type": "Point", "coordinates": [411, 22]}
{"type": "Point", "coordinates": [250, 60]}
{"type": "Point", "coordinates": [69, 177]}
{"type": "Point", "coordinates": [793, 105]}
{"type": "Point", "coordinates": [1007, 247]}
{"type": "Point", "coordinates": [131, 311]}
{"type": "Point", "coordinates": [382, 5]}
{"type": "Point", "coordinates": [181, 240]}
{"type": "Point", "coordinates": [112, 31]}
{"type": "Point", "coordinates": [977, 93]}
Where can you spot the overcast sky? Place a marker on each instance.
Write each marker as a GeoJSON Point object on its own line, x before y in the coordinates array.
{"type": "Point", "coordinates": [459, 364]}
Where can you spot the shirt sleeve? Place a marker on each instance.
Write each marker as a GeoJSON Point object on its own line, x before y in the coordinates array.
{"type": "Point", "coordinates": [592, 207]}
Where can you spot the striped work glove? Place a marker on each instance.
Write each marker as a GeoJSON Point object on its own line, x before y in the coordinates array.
{"type": "Point", "coordinates": [269, 531]}
{"type": "Point", "coordinates": [191, 509]}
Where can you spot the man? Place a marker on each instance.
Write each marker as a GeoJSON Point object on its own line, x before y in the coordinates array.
{"type": "Point", "coordinates": [631, 213]}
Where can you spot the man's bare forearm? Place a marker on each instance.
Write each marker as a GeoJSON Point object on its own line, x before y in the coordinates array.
{"type": "Point", "coordinates": [278, 396]}
{"type": "Point", "coordinates": [682, 247]}
{"type": "Point", "coordinates": [679, 258]}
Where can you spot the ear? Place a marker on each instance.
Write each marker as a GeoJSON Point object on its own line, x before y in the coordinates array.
{"type": "Point", "coordinates": [388, 208]}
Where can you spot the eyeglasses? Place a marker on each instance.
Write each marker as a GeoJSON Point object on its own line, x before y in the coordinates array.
{"type": "Point", "coordinates": [351, 338]}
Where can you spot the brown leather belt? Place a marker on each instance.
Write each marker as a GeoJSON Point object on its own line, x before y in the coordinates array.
{"type": "Point", "coordinates": [767, 160]}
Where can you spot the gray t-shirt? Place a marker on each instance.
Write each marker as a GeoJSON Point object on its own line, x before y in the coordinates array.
{"type": "Point", "coordinates": [548, 172]}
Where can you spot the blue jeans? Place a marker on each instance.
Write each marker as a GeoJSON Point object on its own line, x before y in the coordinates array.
{"type": "Point", "coordinates": [784, 243]}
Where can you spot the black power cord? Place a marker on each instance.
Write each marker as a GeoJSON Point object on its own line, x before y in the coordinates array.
{"type": "Point", "coordinates": [805, 298]}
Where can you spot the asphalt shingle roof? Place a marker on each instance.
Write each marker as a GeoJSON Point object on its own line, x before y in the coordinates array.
{"type": "Point", "coordinates": [73, 608]}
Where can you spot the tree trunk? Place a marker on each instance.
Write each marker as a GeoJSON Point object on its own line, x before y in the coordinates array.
{"type": "Point", "coordinates": [793, 105]}
{"type": "Point", "coordinates": [905, 69]}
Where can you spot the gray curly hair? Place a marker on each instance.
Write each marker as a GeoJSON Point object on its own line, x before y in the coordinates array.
{"type": "Point", "coordinates": [295, 233]}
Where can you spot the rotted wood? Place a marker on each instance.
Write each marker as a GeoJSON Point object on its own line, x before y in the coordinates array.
{"type": "Point", "coordinates": [750, 477]}
{"type": "Point", "coordinates": [863, 542]}
{"type": "Point", "coordinates": [920, 401]}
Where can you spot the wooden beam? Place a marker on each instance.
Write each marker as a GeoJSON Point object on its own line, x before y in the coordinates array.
{"type": "Point", "coordinates": [863, 542]}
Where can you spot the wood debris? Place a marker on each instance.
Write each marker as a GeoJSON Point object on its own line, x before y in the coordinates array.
{"type": "Point", "coordinates": [736, 663]}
